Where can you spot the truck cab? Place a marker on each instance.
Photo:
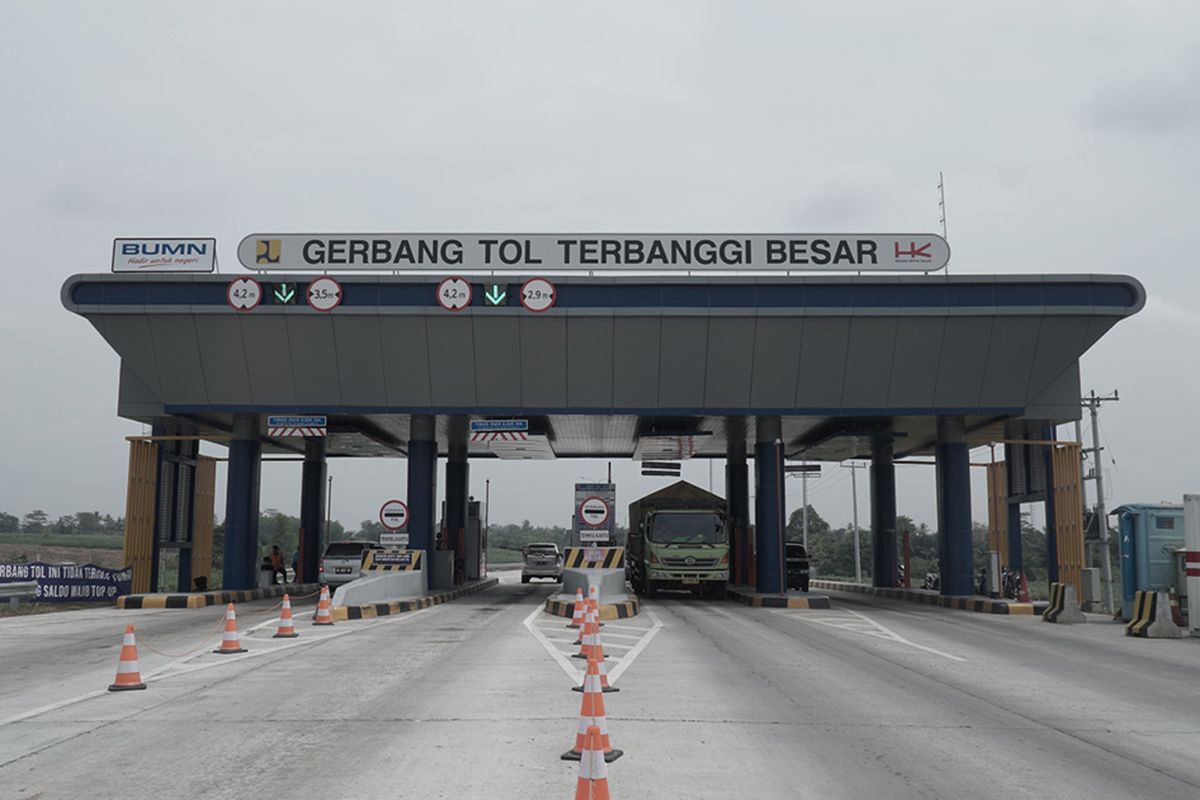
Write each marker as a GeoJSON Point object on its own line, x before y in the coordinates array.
{"type": "Point", "coordinates": [679, 540]}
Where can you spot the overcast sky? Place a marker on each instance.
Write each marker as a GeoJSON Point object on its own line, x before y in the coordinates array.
{"type": "Point", "coordinates": [1067, 132]}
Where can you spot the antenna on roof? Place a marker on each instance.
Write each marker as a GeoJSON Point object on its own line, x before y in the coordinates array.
{"type": "Point", "coordinates": [942, 208]}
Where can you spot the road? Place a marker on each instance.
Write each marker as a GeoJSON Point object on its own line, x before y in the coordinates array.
{"type": "Point", "coordinates": [471, 699]}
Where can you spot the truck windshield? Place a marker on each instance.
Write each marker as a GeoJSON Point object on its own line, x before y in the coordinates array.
{"type": "Point", "coordinates": [685, 528]}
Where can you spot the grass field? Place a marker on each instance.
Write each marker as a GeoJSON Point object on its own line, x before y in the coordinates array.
{"type": "Point", "coordinates": [103, 551]}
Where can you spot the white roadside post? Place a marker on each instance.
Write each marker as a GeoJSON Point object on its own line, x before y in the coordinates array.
{"type": "Point", "coordinates": [1191, 527]}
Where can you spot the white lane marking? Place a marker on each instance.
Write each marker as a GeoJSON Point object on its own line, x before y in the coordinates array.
{"type": "Point", "coordinates": [619, 670]}
{"type": "Point", "coordinates": [874, 629]}
{"type": "Point", "coordinates": [562, 659]}
{"type": "Point", "coordinates": [161, 673]}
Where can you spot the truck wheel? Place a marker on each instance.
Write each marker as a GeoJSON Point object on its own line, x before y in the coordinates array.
{"type": "Point", "coordinates": [524, 579]}
{"type": "Point", "coordinates": [804, 583]}
{"type": "Point", "coordinates": [650, 591]}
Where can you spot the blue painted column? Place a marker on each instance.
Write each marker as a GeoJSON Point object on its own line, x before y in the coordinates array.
{"type": "Point", "coordinates": [1051, 518]}
{"type": "Point", "coordinates": [422, 484]}
{"type": "Point", "coordinates": [769, 507]}
{"type": "Point", "coordinates": [457, 491]}
{"type": "Point", "coordinates": [737, 494]}
{"type": "Point", "coordinates": [954, 507]}
{"type": "Point", "coordinates": [883, 513]}
{"type": "Point", "coordinates": [241, 504]}
{"type": "Point", "coordinates": [1016, 556]}
{"type": "Point", "coordinates": [312, 511]}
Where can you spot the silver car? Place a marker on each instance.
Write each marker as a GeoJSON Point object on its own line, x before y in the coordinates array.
{"type": "Point", "coordinates": [342, 561]}
{"type": "Point", "coordinates": [542, 560]}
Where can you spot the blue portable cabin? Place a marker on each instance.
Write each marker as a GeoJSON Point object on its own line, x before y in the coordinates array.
{"type": "Point", "coordinates": [1149, 535]}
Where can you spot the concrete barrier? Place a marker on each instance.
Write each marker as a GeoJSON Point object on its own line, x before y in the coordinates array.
{"type": "Point", "coordinates": [381, 587]}
{"type": "Point", "coordinates": [610, 583]}
{"type": "Point", "coordinates": [373, 610]}
{"type": "Point", "coordinates": [206, 599]}
{"type": "Point", "coordinates": [564, 606]}
{"type": "Point", "coordinates": [1064, 605]}
{"type": "Point", "coordinates": [1152, 617]}
{"type": "Point", "coordinates": [980, 605]}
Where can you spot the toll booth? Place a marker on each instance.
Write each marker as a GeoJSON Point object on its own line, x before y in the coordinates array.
{"type": "Point", "coordinates": [1150, 536]}
{"type": "Point", "coordinates": [475, 544]}
{"type": "Point", "coordinates": [460, 556]}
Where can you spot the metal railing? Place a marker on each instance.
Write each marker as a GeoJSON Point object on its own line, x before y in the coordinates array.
{"type": "Point", "coordinates": [16, 591]}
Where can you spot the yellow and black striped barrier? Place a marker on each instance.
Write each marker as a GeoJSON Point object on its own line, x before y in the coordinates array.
{"type": "Point", "coordinates": [392, 561]}
{"type": "Point", "coordinates": [622, 610]}
{"type": "Point", "coordinates": [594, 558]}
{"type": "Point", "coordinates": [206, 599]}
{"type": "Point", "coordinates": [756, 600]}
{"type": "Point", "coordinates": [373, 610]}
{"type": "Point", "coordinates": [1058, 596]}
{"type": "Point", "coordinates": [1144, 604]}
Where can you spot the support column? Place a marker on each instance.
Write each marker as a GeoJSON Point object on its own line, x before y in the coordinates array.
{"type": "Point", "coordinates": [1048, 435]}
{"type": "Point", "coordinates": [954, 507]}
{"type": "Point", "coordinates": [457, 490]}
{"type": "Point", "coordinates": [883, 513]}
{"type": "Point", "coordinates": [175, 503]}
{"type": "Point", "coordinates": [312, 510]}
{"type": "Point", "coordinates": [422, 485]}
{"type": "Point", "coordinates": [769, 506]}
{"type": "Point", "coordinates": [1016, 559]}
{"type": "Point", "coordinates": [737, 493]}
{"type": "Point", "coordinates": [241, 504]}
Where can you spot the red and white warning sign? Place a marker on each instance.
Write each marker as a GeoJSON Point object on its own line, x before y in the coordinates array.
{"type": "Point", "coordinates": [538, 294]}
{"type": "Point", "coordinates": [454, 294]}
{"type": "Point", "coordinates": [243, 294]}
{"type": "Point", "coordinates": [393, 515]}
{"type": "Point", "coordinates": [500, 436]}
{"type": "Point", "coordinates": [324, 294]}
{"type": "Point", "coordinates": [593, 512]}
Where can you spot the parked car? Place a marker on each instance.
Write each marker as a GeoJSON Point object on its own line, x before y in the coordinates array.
{"type": "Point", "coordinates": [542, 560]}
{"type": "Point", "coordinates": [342, 561]}
{"type": "Point", "coordinates": [798, 566]}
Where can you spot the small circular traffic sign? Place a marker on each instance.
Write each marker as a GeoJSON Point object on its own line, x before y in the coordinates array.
{"type": "Point", "coordinates": [324, 294]}
{"type": "Point", "coordinates": [393, 515]}
{"type": "Point", "coordinates": [243, 294]}
{"type": "Point", "coordinates": [593, 512]}
{"type": "Point", "coordinates": [538, 294]}
{"type": "Point", "coordinates": [454, 294]}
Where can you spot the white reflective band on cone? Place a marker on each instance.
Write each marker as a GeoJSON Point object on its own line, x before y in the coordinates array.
{"type": "Point", "coordinates": [128, 640]}
{"type": "Point", "coordinates": [126, 666]}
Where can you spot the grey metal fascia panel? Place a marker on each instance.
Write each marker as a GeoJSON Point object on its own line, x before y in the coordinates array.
{"type": "Point", "coordinates": [269, 356]}
{"type": "Point", "coordinates": [1060, 342]}
{"type": "Point", "coordinates": [1059, 401]}
{"type": "Point", "coordinates": [134, 398]}
{"type": "Point", "coordinates": [131, 337]}
{"type": "Point", "coordinates": [498, 366]}
{"type": "Point", "coordinates": [314, 359]}
{"type": "Point", "coordinates": [359, 360]}
{"type": "Point", "coordinates": [961, 367]}
{"type": "Point", "coordinates": [589, 362]}
{"type": "Point", "coordinates": [729, 367]}
{"type": "Point", "coordinates": [1006, 376]}
{"type": "Point", "coordinates": [776, 357]}
{"type": "Point", "coordinates": [223, 356]}
{"type": "Point", "coordinates": [869, 356]}
{"type": "Point", "coordinates": [451, 360]}
{"type": "Point", "coordinates": [822, 362]}
{"type": "Point", "coordinates": [915, 361]}
{"type": "Point", "coordinates": [543, 361]}
{"type": "Point", "coordinates": [636, 343]}
{"type": "Point", "coordinates": [404, 344]}
{"type": "Point", "coordinates": [682, 361]}
{"type": "Point", "coordinates": [177, 354]}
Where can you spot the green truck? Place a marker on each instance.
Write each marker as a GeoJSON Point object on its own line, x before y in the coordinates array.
{"type": "Point", "coordinates": [678, 539]}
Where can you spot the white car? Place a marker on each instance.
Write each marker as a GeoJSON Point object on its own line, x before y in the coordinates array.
{"type": "Point", "coordinates": [542, 560]}
{"type": "Point", "coordinates": [342, 561]}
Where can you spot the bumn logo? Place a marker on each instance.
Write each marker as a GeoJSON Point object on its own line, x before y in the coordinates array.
{"type": "Point", "coordinates": [267, 251]}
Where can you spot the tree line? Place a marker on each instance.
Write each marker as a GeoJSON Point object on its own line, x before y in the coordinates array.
{"type": "Point", "coordinates": [81, 522]}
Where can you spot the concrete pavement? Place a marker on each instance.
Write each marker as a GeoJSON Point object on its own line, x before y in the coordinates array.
{"type": "Point", "coordinates": [869, 699]}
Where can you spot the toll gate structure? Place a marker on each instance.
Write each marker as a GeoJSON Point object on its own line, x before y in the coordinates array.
{"type": "Point", "coordinates": [742, 368]}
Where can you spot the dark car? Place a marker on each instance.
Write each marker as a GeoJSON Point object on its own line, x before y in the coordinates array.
{"type": "Point", "coordinates": [796, 558]}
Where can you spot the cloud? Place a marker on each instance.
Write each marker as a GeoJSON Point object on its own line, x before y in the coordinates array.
{"type": "Point", "coordinates": [1150, 104]}
{"type": "Point", "coordinates": [1162, 309]}
{"type": "Point", "coordinates": [843, 197]}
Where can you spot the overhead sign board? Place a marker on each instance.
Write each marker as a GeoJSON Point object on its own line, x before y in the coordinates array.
{"type": "Point", "coordinates": [593, 520]}
{"type": "Point", "coordinates": [324, 294]}
{"type": "Point", "coordinates": [393, 515]}
{"type": "Point", "coordinates": [311, 426]}
{"type": "Point", "coordinates": [454, 294]}
{"type": "Point", "coordinates": [538, 294]}
{"type": "Point", "coordinates": [569, 252]}
{"type": "Point", "coordinates": [164, 255]}
{"type": "Point", "coordinates": [492, 425]}
{"type": "Point", "coordinates": [243, 294]}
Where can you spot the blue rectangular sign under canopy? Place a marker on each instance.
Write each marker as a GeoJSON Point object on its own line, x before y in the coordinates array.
{"type": "Point", "coordinates": [487, 425]}
{"type": "Point", "coordinates": [296, 422]}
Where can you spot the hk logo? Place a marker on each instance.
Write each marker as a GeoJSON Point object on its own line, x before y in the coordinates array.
{"type": "Point", "coordinates": [914, 252]}
{"type": "Point", "coordinates": [267, 251]}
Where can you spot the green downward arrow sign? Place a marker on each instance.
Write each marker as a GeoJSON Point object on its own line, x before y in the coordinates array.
{"type": "Point", "coordinates": [495, 295]}
{"type": "Point", "coordinates": [284, 293]}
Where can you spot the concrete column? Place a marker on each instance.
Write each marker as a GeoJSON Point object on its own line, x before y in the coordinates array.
{"type": "Point", "coordinates": [954, 507]}
{"type": "Point", "coordinates": [312, 511]}
{"type": "Point", "coordinates": [241, 504]}
{"type": "Point", "coordinates": [457, 490]}
{"type": "Point", "coordinates": [1048, 434]}
{"type": "Point", "coordinates": [422, 484]}
{"type": "Point", "coordinates": [883, 513]}
{"type": "Point", "coordinates": [1016, 557]}
{"type": "Point", "coordinates": [737, 494]}
{"type": "Point", "coordinates": [769, 512]}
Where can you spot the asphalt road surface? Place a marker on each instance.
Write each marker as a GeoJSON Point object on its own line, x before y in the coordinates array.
{"type": "Point", "coordinates": [873, 699]}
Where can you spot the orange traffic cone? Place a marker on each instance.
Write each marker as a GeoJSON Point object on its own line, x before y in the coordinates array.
{"type": "Point", "coordinates": [128, 675]}
{"type": "Point", "coordinates": [286, 629]}
{"type": "Point", "coordinates": [591, 713]}
{"type": "Point", "coordinates": [324, 615]}
{"type": "Point", "coordinates": [1023, 594]}
{"type": "Point", "coordinates": [229, 639]}
{"type": "Point", "coordinates": [598, 654]}
{"type": "Point", "coordinates": [594, 602]}
{"type": "Point", "coordinates": [588, 636]}
{"type": "Point", "coordinates": [593, 772]}
{"type": "Point", "coordinates": [577, 615]}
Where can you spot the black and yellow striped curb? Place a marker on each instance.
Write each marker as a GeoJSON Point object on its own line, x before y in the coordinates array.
{"type": "Point", "coordinates": [206, 599]}
{"type": "Point", "coordinates": [372, 610]}
{"type": "Point", "coordinates": [583, 557]}
{"type": "Point", "coordinates": [622, 610]}
{"type": "Point", "coordinates": [1144, 612]}
{"type": "Point", "coordinates": [756, 600]}
{"type": "Point", "coordinates": [980, 605]}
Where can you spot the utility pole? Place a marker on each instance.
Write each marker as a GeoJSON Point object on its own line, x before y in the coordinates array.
{"type": "Point", "coordinates": [854, 468]}
{"type": "Point", "coordinates": [328, 511]}
{"type": "Point", "coordinates": [1092, 403]}
{"type": "Point", "coordinates": [804, 514]}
